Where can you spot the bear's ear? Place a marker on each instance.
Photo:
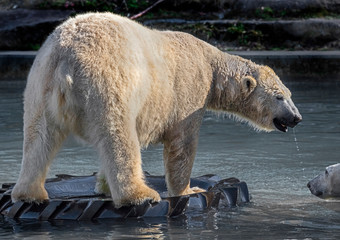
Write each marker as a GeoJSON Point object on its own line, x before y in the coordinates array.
{"type": "Point", "coordinates": [248, 84]}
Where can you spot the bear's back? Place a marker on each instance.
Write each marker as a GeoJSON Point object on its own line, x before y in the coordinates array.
{"type": "Point", "coordinates": [102, 33]}
{"type": "Point", "coordinates": [103, 45]}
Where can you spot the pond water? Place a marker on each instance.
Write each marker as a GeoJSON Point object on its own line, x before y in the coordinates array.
{"type": "Point", "coordinates": [276, 167]}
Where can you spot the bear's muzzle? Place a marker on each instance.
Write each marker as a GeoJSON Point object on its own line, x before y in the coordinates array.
{"type": "Point", "coordinates": [288, 116]}
{"type": "Point", "coordinates": [283, 123]}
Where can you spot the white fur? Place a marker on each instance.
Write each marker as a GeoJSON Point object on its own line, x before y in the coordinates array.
{"type": "Point", "coordinates": [327, 184]}
{"type": "Point", "coordinates": [120, 86]}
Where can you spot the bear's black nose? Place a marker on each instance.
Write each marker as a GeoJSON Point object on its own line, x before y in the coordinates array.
{"type": "Point", "coordinates": [297, 119]}
{"type": "Point", "coordinates": [294, 121]}
{"type": "Point", "coordinates": [308, 185]}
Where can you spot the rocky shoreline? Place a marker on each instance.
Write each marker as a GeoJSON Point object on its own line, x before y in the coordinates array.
{"type": "Point", "coordinates": [303, 37]}
{"type": "Point", "coordinates": [234, 34]}
{"type": "Point", "coordinates": [228, 24]}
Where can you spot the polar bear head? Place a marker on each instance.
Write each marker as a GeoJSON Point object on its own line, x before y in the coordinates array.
{"type": "Point", "coordinates": [327, 184]}
{"type": "Point", "coordinates": [255, 94]}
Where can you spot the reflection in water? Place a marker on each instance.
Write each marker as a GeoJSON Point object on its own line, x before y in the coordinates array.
{"type": "Point", "coordinates": [276, 166]}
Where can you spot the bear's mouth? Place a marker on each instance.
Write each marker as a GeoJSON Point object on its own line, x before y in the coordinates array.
{"type": "Point", "coordinates": [280, 125]}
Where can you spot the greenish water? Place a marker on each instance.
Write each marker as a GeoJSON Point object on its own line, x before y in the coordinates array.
{"type": "Point", "coordinates": [276, 167]}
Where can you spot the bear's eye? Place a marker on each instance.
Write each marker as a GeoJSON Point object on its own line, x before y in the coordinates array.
{"type": "Point", "coordinates": [248, 83]}
{"type": "Point", "coordinates": [279, 97]}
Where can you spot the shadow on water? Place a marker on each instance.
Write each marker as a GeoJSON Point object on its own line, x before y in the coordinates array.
{"type": "Point", "coordinates": [276, 167]}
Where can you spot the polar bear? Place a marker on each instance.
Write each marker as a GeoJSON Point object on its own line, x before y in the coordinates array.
{"type": "Point", "coordinates": [120, 86]}
{"type": "Point", "coordinates": [327, 184]}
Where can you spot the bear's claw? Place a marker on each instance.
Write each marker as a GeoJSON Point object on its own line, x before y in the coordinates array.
{"type": "Point", "coordinates": [138, 197]}
{"type": "Point", "coordinates": [37, 195]}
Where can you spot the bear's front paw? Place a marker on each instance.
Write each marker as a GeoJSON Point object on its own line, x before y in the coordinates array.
{"type": "Point", "coordinates": [138, 197]}
{"type": "Point", "coordinates": [29, 194]}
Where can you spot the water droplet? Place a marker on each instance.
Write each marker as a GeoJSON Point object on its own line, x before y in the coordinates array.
{"type": "Point", "coordinates": [295, 140]}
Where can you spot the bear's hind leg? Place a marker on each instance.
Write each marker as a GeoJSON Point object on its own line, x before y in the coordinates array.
{"type": "Point", "coordinates": [42, 139]}
{"type": "Point", "coordinates": [102, 186]}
